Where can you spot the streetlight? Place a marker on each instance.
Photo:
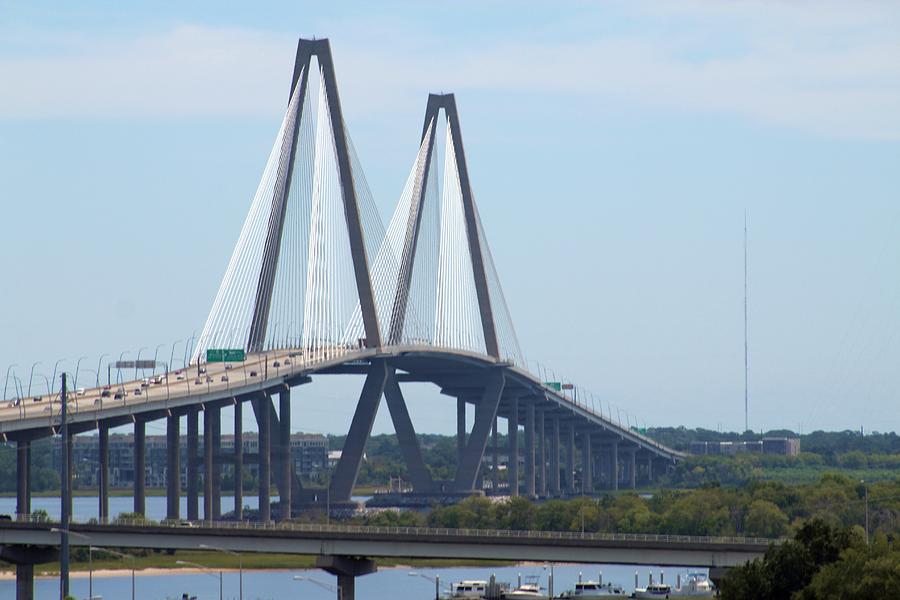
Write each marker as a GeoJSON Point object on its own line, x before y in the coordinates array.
{"type": "Point", "coordinates": [155, 352]}
{"type": "Point", "coordinates": [6, 383]}
{"type": "Point", "coordinates": [31, 376]}
{"type": "Point", "coordinates": [240, 566]}
{"type": "Point", "coordinates": [188, 346]}
{"type": "Point", "coordinates": [118, 371]}
{"type": "Point", "coordinates": [120, 555]}
{"type": "Point", "coordinates": [436, 580]}
{"type": "Point", "coordinates": [77, 366]}
{"type": "Point", "coordinates": [137, 361]}
{"type": "Point", "coordinates": [211, 574]}
{"type": "Point", "coordinates": [90, 556]}
{"type": "Point", "coordinates": [54, 373]}
{"type": "Point", "coordinates": [322, 584]}
{"type": "Point", "coordinates": [99, 364]}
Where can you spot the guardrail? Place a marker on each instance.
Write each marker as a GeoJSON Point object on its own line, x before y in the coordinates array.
{"type": "Point", "coordinates": [424, 532]}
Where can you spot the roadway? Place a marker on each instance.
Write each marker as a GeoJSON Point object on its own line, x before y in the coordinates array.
{"type": "Point", "coordinates": [220, 381]}
{"type": "Point", "coordinates": [401, 542]}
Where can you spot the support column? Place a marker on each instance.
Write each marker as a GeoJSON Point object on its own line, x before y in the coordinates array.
{"type": "Point", "coordinates": [554, 458]}
{"type": "Point", "coordinates": [542, 455]}
{"type": "Point", "coordinates": [512, 466]}
{"type": "Point", "coordinates": [346, 569]}
{"type": "Point", "coordinates": [587, 464]}
{"type": "Point", "coordinates": [570, 461]}
{"type": "Point", "coordinates": [208, 464]}
{"type": "Point", "coordinates": [649, 468]}
{"type": "Point", "coordinates": [632, 470]}
{"type": "Point", "coordinates": [25, 582]}
{"type": "Point", "coordinates": [103, 474]}
{"type": "Point", "coordinates": [460, 428]}
{"type": "Point", "coordinates": [216, 417]}
{"type": "Point", "coordinates": [284, 446]}
{"type": "Point", "coordinates": [347, 469]}
{"type": "Point", "coordinates": [238, 460]}
{"type": "Point", "coordinates": [416, 469]}
{"type": "Point", "coordinates": [193, 475]}
{"type": "Point", "coordinates": [495, 458]}
{"type": "Point", "coordinates": [173, 467]}
{"type": "Point", "coordinates": [264, 421]}
{"type": "Point", "coordinates": [140, 473]}
{"type": "Point", "coordinates": [614, 464]}
{"type": "Point", "coordinates": [485, 413]}
{"type": "Point", "coordinates": [23, 478]}
{"type": "Point", "coordinates": [529, 449]}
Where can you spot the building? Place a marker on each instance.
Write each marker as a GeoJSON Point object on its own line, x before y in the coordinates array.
{"type": "Point", "coordinates": [779, 446]}
{"type": "Point", "coordinates": [308, 450]}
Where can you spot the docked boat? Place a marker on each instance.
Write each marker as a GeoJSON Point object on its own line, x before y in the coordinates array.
{"type": "Point", "coordinates": [530, 590]}
{"type": "Point", "coordinates": [594, 589]}
{"type": "Point", "coordinates": [469, 589]}
{"type": "Point", "coordinates": [654, 590]}
{"type": "Point", "coordinates": [697, 585]}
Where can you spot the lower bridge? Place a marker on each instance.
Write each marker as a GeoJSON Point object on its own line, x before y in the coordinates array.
{"type": "Point", "coordinates": [348, 551]}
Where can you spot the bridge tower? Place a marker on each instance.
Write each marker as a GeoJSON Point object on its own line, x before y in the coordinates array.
{"type": "Point", "coordinates": [306, 50]}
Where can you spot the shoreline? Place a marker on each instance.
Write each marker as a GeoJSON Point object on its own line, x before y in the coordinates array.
{"type": "Point", "coordinates": [165, 571]}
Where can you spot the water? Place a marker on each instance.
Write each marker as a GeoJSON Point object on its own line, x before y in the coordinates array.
{"type": "Point", "coordinates": [87, 507]}
{"type": "Point", "coordinates": [388, 584]}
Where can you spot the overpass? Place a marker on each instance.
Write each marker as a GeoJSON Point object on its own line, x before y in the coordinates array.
{"type": "Point", "coordinates": [347, 550]}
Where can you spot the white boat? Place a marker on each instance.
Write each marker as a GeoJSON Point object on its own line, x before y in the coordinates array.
{"type": "Point", "coordinates": [594, 589]}
{"type": "Point", "coordinates": [654, 590]}
{"type": "Point", "coordinates": [530, 590]}
{"type": "Point", "coordinates": [470, 588]}
{"type": "Point", "coordinates": [697, 585]}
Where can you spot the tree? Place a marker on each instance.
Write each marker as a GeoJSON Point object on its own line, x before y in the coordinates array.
{"type": "Point", "coordinates": [789, 567]}
{"type": "Point", "coordinates": [765, 519]}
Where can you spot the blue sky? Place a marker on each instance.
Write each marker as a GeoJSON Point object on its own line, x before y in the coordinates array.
{"type": "Point", "coordinates": [613, 149]}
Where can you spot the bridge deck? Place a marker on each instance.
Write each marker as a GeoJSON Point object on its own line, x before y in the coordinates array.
{"type": "Point", "coordinates": [187, 387]}
{"type": "Point", "coordinates": [405, 542]}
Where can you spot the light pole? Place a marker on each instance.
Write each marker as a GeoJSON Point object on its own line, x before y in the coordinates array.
{"type": "Point", "coordinates": [240, 566]}
{"type": "Point", "coordinates": [100, 364]}
{"type": "Point", "coordinates": [120, 555]}
{"type": "Point", "coordinates": [436, 580]}
{"type": "Point", "coordinates": [210, 572]}
{"type": "Point", "coordinates": [53, 377]}
{"type": "Point", "coordinates": [77, 366]}
{"type": "Point", "coordinates": [31, 376]}
{"type": "Point", "coordinates": [155, 352]}
{"type": "Point", "coordinates": [325, 586]}
{"type": "Point", "coordinates": [188, 346]}
{"type": "Point", "coordinates": [137, 360]}
{"type": "Point", "coordinates": [8, 369]}
{"type": "Point", "coordinates": [90, 556]}
{"type": "Point", "coordinates": [119, 371]}
{"type": "Point", "coordinates": [172, 353]}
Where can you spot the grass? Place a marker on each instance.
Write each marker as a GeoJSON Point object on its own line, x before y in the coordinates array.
{"type": "Point", "coordinates": [219, 560]}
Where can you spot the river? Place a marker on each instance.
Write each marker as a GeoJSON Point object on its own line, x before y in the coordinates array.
{"type": "Point", "coordinates": [388, 584]}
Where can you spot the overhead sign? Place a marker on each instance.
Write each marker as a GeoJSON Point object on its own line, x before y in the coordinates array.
{"type": "Point", "coordinates": [556, 386]}
{"type": "Point", "coordinates": [135, 364]}
{"type": "Point", "coordinates": [568, 386]}
{"type": "Point", "coordinates": [225, 355]}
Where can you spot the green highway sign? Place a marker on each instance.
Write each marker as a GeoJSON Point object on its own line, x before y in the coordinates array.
{"type": "Point", "coordinates": [225, 355]}
{"type": "Point", "coordinates": [556, 386]}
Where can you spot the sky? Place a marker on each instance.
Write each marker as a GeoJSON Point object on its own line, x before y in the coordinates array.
{"type": "Point", "coordinates": [614, 149]}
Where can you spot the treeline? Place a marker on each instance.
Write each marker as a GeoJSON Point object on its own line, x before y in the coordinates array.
{"type": "Point", "coordinates": [43, 477]}
{"type": "Point", "coordinates": [825, 443]}
{"type": "Point", "coordinates": [756, 509]}
{"type": "Point", "coordinates": [821, 562]}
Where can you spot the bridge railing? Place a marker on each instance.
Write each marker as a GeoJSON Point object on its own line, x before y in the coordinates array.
{"type": "Point", "coordinates": [423, 532]}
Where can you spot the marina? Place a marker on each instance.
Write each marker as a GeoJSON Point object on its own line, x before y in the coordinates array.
{"type": "Point", "coordinates": [597, 581]}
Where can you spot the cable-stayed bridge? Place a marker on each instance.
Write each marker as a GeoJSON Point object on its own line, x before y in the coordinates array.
{"type": "Point", "coordinates": [317, 285]}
